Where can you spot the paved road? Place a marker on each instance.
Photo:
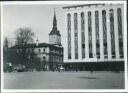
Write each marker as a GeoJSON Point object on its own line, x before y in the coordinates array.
{"type": "Point", "coordinates": [64, 80]}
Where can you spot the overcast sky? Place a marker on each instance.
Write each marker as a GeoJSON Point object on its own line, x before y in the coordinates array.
{"type": "Point", "coordinates": [38, 17]}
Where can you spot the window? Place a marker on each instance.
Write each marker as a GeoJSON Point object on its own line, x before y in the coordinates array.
{"type": "Point", "coordinates": [44, 50]}
{"type": "Point", "coordinates": [104, 33]}
{"type": "Point", "coordinates": [121, 51]}
{"type": "Point", "coordinates": [111, 12]}
{"type": "Point", "coordinates": [76, 35]}
{"type": "Point", "coordinates": [69, 35]}
{"type": "Point", "coordinates": [44, 58]}
{"type": "Point", "coordinates": [97, 34]}
{"type": "Point", "coordinates": [39, 50]}
{"type": "Point", "coordinates": [90, 34]}
{"type": "Point", "coordinates": [83, 35]}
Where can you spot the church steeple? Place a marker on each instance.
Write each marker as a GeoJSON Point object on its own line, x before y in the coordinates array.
{"type": "Point", "coordinates": [54, 22]}
{"type": "Point", "coordinates": [54, 35]}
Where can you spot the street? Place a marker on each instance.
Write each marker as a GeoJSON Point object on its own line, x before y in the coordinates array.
{"type": "Point", "coordinates": [64, 80]}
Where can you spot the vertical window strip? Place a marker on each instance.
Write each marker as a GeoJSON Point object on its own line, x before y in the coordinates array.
{"type": "Point", "coordinates": [90, 34]}
{"type": "Point", "coordinates": [104, 33]}
{"type": "Point", "coordinates": [76, 34]}
{"type": "Point", "coordinates": [69, 35]}
{"type": "Point", "coordinates": [121, 51]}
{"type": "Point", "coordinates": [82, 35]}
{"type": "Point", "coordinates": [112, 32]}
{"type": "Point", "coordinates": [97, 34]}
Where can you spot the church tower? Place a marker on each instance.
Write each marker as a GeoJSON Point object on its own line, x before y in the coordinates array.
{"type": "Point", "coordinates": [54, 35]}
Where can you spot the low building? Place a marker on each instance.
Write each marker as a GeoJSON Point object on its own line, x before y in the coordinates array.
{"type": "Point", "coordinates": [50, 56]}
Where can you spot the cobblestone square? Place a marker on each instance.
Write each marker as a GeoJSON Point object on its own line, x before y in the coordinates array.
{"type": "Point", "coordinates": [64, 80]}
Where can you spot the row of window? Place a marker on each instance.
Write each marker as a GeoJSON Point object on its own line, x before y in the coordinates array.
{"type": "Point", "coordinates": [57, 52]}
{"type": "Point", "coordinates": [53, 59]}
{"type": "Point", "coordinates": [104, 29]}
{"type": "Point", "coordinates": [43, 50]}
{"type": "Point", "coordinates": [56, 59]}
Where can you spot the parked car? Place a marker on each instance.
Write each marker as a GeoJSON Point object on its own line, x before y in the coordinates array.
{"type": "Point", "coordinates": [62, 68]}
{"type": "Point", "coordinates": [19, 68]}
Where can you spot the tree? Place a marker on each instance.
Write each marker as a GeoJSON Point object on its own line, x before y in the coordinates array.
{"type": "Point", "coordinates": [6, 42]}
{"type": "Point", "coordinates": [24, 36]}
{"type": "Point", "coordinates": [6, 53]}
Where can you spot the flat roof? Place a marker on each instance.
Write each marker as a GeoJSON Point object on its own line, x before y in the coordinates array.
{"type": "Point", "coordinates": [75, 6]}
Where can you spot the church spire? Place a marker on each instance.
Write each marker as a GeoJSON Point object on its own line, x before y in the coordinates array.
{"type": "Point", "coordinates": [54, 14]}
{"type": "Point", "coordinates": [54, 21]}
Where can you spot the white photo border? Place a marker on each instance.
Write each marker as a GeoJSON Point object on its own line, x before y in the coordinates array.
{"type": "Point", "coordinates": [65, 90]}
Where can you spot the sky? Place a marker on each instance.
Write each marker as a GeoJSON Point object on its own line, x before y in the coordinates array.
{"type": "Point", "coordinates": [38, 17]}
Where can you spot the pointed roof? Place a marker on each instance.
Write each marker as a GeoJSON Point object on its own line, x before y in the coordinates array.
{"type": "Point", "coordinates": [54, 15]}
{"type": "Point", "coordinates": [54, 28]}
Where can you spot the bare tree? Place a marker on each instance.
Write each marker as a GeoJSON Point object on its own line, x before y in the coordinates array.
{"type": "Point", "coordinates": [6, 42]}
{"type": "Point", "coordinates": [6, 53]}
{"type": "Point", "coordinates": [24, 35]}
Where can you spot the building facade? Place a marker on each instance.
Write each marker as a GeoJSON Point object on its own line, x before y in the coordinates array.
{"type": "Point", "coordinates": [94, 35]}
{"type": "Point", "coordinates": [49, 56]}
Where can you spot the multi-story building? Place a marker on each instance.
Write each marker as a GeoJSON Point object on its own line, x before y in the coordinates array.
{"type": "Point", "coordinates": [49, 54]}
{"type": "Point", "coordinates": [94, 36]}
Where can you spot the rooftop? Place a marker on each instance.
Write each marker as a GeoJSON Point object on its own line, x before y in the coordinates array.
{"type": "Point", "coordinates": [75, 6]}
{"type": "Point", "coordinates": [33, 45]}
{"type": "Point", "coordinates": [55, 32]}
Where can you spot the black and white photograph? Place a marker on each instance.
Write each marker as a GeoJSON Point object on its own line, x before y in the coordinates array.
{"type": "Point", "coordinates": [64, 46]}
